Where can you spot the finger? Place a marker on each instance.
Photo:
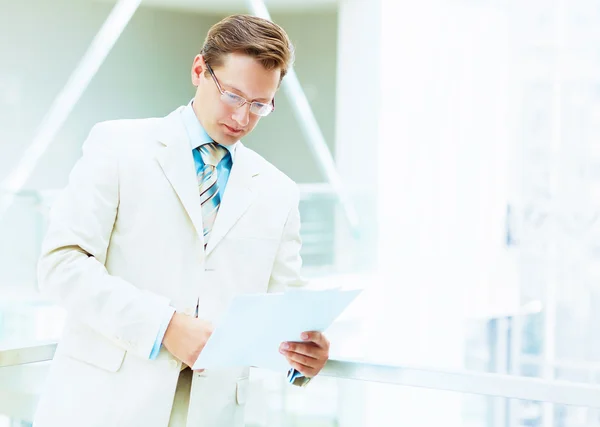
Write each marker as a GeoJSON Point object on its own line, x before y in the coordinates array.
{"type": "Point", "coordinates": [316, 337]}
{"type": "Point", "coordinates": [307, 371]}
{"type": "Point", "coordinates": [306, 349]}
{"type": "Point", "coordinates": [311, 362]}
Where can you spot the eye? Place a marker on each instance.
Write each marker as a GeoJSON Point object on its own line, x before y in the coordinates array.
{"type": "Point", "coordinates": [261, 109]}
{"type": "Point", "coordinates": [232, 98]}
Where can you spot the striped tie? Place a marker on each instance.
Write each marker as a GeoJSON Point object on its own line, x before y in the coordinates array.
{"type": "Point", "coordinates": [210, 198]}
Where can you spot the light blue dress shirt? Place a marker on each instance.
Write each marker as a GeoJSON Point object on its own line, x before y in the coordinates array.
{"type": "Point", "coordinates": [197, 136]}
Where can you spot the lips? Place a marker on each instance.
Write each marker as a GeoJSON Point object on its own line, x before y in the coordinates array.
{"type": "Point", "coordinates": [233, 130]}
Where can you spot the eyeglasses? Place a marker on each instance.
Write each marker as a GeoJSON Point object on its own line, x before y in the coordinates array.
{"type": "Point", "coordinates": [230, 98]}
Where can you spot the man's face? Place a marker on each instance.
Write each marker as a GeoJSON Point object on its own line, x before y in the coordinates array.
{"type": "Point", "coordinates": [241, 75]}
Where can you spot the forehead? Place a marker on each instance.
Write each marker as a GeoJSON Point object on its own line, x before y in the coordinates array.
{"type": "Point", "coordinates": [247, 76]}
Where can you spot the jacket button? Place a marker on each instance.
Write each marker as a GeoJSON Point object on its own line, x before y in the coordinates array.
{"type": "Point", "coordinates": [173, 363]}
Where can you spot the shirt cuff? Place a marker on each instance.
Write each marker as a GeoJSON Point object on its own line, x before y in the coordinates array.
{"type": "Point", "coordinates": [161, 335]}
{"type": "Point", "coordinates": [296, 378]}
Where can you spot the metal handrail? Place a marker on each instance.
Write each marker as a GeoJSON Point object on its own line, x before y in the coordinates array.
{"type": "Point", "coordinates": [25, 355]}
{"type": "Point", "coordinates": [499, 385]}
{"type": "Point", "coordinates": [508, 386]}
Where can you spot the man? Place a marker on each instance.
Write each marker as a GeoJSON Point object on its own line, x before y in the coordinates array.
{"type": "Point", "coordinates": [162, 223]}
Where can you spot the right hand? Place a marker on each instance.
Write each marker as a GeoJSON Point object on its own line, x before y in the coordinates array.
{"type": "Point", "coordinates": [186, 337]}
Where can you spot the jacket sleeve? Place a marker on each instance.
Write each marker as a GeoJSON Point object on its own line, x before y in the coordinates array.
{"type": "Point", "coordinates": [71, 268]}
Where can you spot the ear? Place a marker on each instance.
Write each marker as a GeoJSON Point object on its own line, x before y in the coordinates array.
{"type": "Point", "coordinates": [198, 69]}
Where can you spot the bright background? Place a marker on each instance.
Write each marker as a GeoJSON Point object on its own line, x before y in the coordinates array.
{"type": "Point", "coordinates": [465, 134]}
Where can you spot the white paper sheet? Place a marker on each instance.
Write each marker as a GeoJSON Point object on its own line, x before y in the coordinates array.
{"type": "Point", "coordinates": [254, 326]}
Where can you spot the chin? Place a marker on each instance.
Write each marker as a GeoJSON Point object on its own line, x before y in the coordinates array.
{"type": "Point", "coordinates": [227, 139]}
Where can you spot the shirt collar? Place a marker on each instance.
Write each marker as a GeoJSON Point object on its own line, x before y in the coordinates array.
{"type": "Point", "coordinates": [196, 133]}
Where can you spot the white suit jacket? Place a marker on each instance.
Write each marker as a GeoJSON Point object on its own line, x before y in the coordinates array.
{"type": "Point", "coordinates": [125, 242]}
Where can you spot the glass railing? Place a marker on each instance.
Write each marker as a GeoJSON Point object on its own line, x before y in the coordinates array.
{"type": "Point", "coordinates": [30, 325]}
{"type": "Point", "coordinates": [510, 344]}
{"type": "Point", "coordinates": [356, 392]}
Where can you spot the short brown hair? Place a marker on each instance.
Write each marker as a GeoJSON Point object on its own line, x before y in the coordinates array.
{"type": "Point", "coordinates": [259, 38]}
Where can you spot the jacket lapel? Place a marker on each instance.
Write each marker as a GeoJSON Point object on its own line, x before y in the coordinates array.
{"type": "Point", "coordinates": [177, 163]}
{"type": "Point", "coordinates": [237, 198]}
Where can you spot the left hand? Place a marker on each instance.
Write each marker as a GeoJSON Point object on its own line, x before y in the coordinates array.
{"type": "Point", "coordinates": [308, 356]}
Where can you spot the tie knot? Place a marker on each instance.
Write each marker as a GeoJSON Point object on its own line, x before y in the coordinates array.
{"type": "Point", "coordinates": [212, 153]}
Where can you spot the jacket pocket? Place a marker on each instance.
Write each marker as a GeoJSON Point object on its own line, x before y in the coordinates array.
{"type": "Point", "coordinates": [86, 345]}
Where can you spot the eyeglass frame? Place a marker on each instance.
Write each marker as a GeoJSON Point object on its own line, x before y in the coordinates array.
{"type": "Point", "coordinates": [224, 92]}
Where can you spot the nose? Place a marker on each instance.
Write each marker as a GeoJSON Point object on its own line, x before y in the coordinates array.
{"type": "Point", "coordinates": [242, 115]}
